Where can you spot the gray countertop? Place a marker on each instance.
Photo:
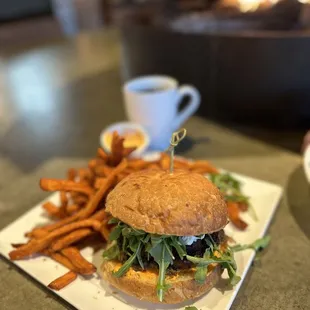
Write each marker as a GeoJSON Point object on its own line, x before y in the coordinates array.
{"type": "Point", "coordinates": [53, 122]}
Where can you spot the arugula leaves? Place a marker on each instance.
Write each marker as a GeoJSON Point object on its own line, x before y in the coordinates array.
{"type": "Point", "coordinates": [257, 245]}
{"type": "Point", "coordinates": [163, 257]}
{"type": "Point", "coordinates": [131, 242]}
{"type": "Point", "coordinates": [111, 252]}
{"type": "Point", "coordinates": [225, 182]}
{"type": "Point", "coordinates": [125, 267]}
{"type": "Point", "coordinates": [138, 247]}
{"type": "Point", "coordinates": [200, 274]}
{"type": "Point", "coordinates": [213, 255]}
{"type": "Point", "coordinates": [231, 188]}
{"type": "Point", "coordinates": [175, 242]}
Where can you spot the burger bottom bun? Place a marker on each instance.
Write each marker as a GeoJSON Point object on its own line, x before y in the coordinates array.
{"type": "Point", "coordinates": [142, 284]}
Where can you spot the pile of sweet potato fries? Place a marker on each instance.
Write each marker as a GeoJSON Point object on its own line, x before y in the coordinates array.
{"type": "Point", "coordinates": [81, 213]}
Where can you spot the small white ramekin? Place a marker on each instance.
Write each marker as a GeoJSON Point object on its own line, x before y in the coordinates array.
{"type": "Point", "coordinates": [121, 128]}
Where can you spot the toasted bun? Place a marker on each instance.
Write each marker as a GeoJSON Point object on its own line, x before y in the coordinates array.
{"type": "Point", "coordinates": [182, 203]}
{"type": "Point", "coordinates": [142, 284]}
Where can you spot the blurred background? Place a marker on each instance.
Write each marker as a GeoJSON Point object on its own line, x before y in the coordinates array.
{"type": "Point", "coordinates": [248, 58]}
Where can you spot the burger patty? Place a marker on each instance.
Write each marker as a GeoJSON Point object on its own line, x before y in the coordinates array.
{"type": "Point", "coordinates": [198, 248]}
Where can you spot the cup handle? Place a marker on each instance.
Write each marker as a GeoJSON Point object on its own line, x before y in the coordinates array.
{"type": "Point", "coordinates": [192, 106]}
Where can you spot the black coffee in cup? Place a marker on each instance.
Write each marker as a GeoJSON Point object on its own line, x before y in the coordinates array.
{"type": "Point", "coordinates": [153, 89]}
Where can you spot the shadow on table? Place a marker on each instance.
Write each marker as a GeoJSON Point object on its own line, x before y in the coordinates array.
{"type": "Point", "coordinates": [188, 143]}
{"type": "Point", "coordinates": [298, 197]}
{"type": "Point", "coordinates": [288, 139]}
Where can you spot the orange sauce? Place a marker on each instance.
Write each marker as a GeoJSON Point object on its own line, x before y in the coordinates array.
{"type": "Point", "coordinates": [133, 138]}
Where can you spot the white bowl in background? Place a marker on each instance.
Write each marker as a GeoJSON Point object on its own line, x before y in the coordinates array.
{"type": "Point", "coordinates": [122, 128]}
{"type": "Point", "coordinates": [307, 163]}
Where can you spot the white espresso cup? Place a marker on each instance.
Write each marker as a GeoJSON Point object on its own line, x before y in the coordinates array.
{"type": "Point", "coordinates": [153, 102]}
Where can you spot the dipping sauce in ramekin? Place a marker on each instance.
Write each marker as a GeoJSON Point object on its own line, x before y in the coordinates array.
{"type": "Point", "coordinates": [134, 134]}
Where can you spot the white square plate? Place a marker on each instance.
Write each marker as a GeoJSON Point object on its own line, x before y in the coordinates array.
{"type": "Point", "coordinates": [94, 294]}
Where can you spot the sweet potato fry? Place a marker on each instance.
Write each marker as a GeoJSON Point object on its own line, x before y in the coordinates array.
{"type": "Point", "coordinates": [101, 215]}
{"type": "Point", "coordinates": [102, 154]}
{"type": "Point", "coordinates": [51, 209]}
{"type": "Point", "coordinates": [128, 170]}
{"type": "Point", "coordinates": [128, 150]}
{"type": "Point", "coordinates": [181, 164]}
{"type": "Point", "coordinates": [243, 207]}
{"type": "Point", "coordinates": [71, 238]}
{"type": "Point", "coordinates": [37, 245]}
{"type": "Point", "coordinates": [79, 199]}
{"type": "Point", "coordinates": [71, 209]}
{"type": "Point", "coordinates": [59, 258]}
{"type": "Point", "coordinates": [202, 166]}
{"type": "Point", "coordinates": [63, 205]}
{"type": "Point", "coordinates": [121, 176]}
{"type": "Point", "coordinates": [17, 245]}
{"type": "Point", "coordinates": [199, 170]}
{"type": "Point", "coordinates": [63, 281]}
{"type": "Point", "coordinates": [36, 233]}
{"type": "Point", "coordinates": [95, 199]}
{"type": "Point", "coordinates": [117, 148]}
{"type": "Point", "coordinates": [154, 166]}
{"type": "Point", "coordinates": [64, 185]}
{"type": "Point", "coordinates": [85, 176]}
{"type": "Point", "coordinates": [137, 164]}
{"type": "Point", "coordinates": [233, 214]}
{"type": "Point", "coordinates": [74, 255]}
{"type": "Point", "coordinates": [102, 171]}
{"type": "Point", "coordinates": [42, 231]}
{"type": "Point", "coordinates": [99, 182]}
{"type": "Point", "coordinates": [105, 232]}
{"type": "Point", "coordinates": [63, 199]}
{"type": "Point", "coordinates": [93, 163]}
{"type": "Point", "coordinates": [164, 161]}
{"type": "Point", "coordinates": [71, 174]}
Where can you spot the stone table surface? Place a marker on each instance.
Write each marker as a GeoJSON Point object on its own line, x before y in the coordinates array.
{"type": "Point", "coordinates": [55, 100]}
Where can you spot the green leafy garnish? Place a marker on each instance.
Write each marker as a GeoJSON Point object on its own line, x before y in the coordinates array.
{"type": "Point", "coordinates": [133, 242]}
{"type": "Point", "coordinates": [134, 246]}
{"type": "Point", "coordinates": [225, 182]}
{"type": "Point", "coordinates": [201, 261]}
{"type": "Point", "coordinates": [113, 220]}
{"type": "Point", "coordinates": [191, 308]}
{"type": "Point", "coordinates": [226, 260]}
{"type": "Point", "coordinates": [111, 252]}
{"type": "Point", "coordinates": [231, 188]}
{"type": "Point", "coordinates": [213, 255]}
{"type": "Point", "coordinates": [125, 267]}
{"type": "Point", "coordinates": [257, 245]}
{"type": "Point", "coordinates": [163, 258]}
{"type": "Point", "coordinates": [233, 277]}
{"type": "Point", "coordinates": [179, 247]}
{"type": "Point", "coordinates": [115, 233]}
{"type": "Point", "coordinates": [200, 274]}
